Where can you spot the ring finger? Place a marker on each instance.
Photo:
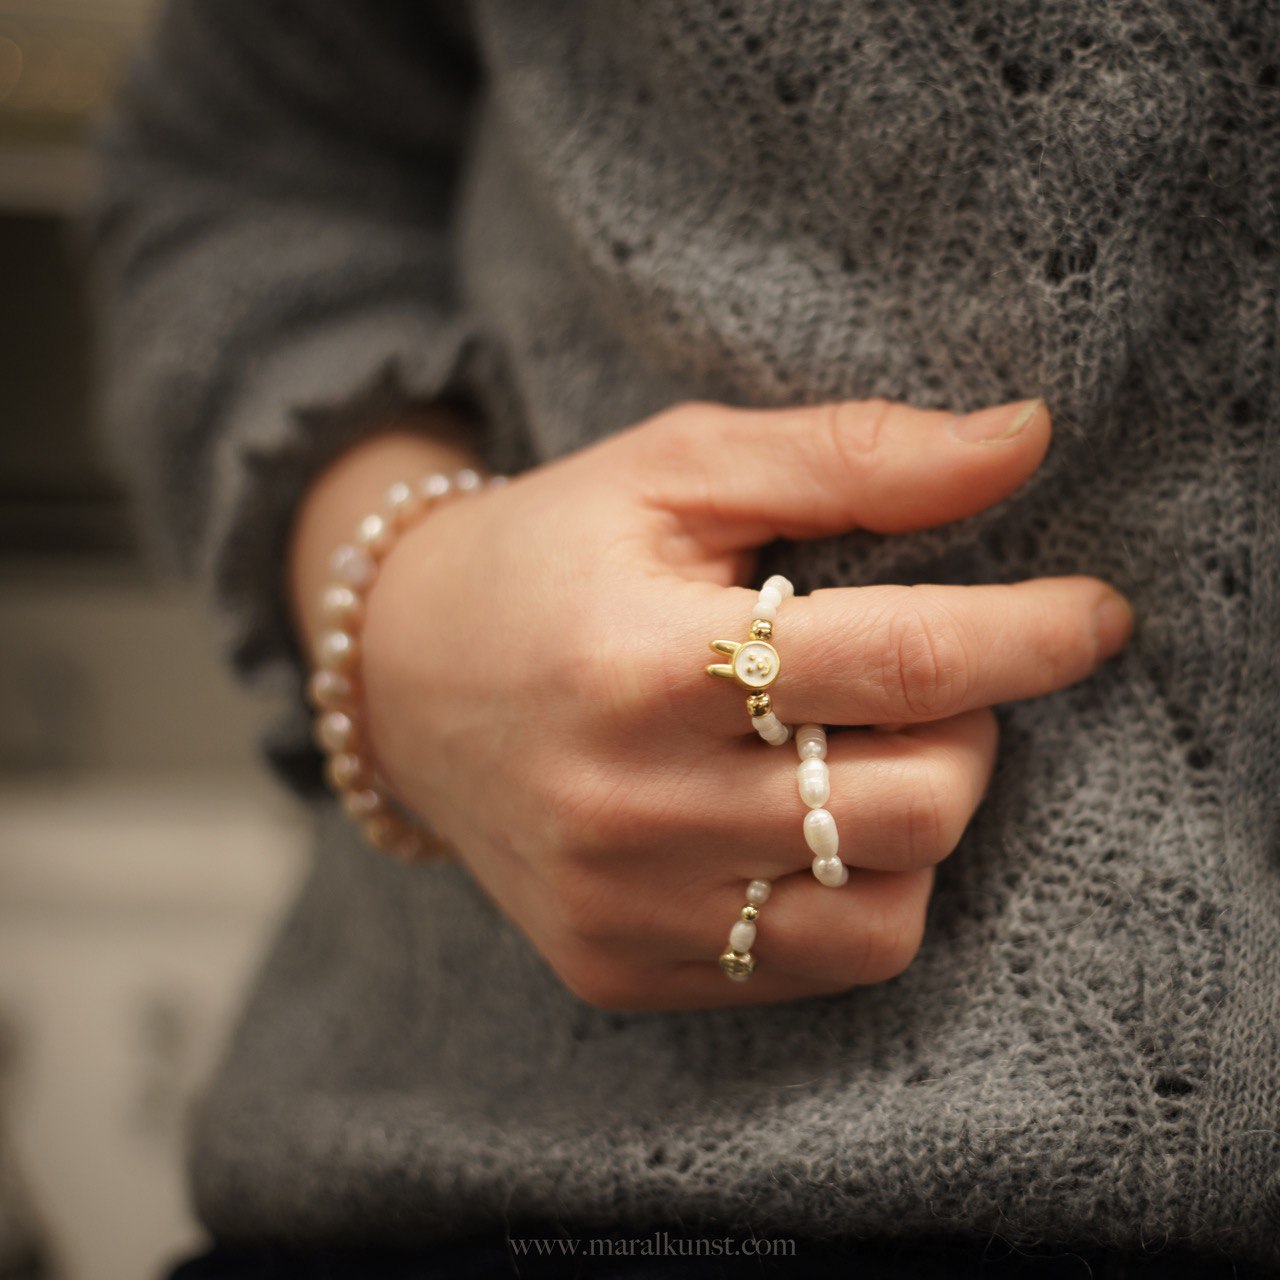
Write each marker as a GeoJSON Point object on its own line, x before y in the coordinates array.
{"type": "Point", "coordinates": [901, 801]}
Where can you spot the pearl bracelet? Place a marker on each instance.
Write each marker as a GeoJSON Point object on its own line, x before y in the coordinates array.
{"type": "Point", "coordinates": [334, 688]}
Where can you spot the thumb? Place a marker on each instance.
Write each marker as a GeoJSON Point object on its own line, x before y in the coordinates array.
{"type": "Point", "coordinates": [742, 477]}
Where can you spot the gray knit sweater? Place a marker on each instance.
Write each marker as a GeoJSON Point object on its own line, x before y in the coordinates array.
{"type": "Point", "coordinates": [568, 215]}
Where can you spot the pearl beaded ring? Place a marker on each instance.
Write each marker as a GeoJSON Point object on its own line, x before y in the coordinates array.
{"type": "Point", "coordinates": [754, 664]}
{"type": "Point", "coordinates": [334, 688]}
{"type": "Point", "coordinates": [814, 780]}
{"type": "Point", "coordinates": [736, 960]}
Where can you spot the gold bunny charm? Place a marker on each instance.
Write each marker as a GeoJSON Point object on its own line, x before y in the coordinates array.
{"type": "Point", "coordinates": [753, 665]}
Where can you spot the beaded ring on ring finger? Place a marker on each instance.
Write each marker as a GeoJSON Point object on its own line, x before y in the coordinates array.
{"type": "Point", "coordinates": [813, 778]}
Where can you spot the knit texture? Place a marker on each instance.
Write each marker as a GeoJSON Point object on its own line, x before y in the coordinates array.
{"type": "Point", "coordinates": [314, 212]}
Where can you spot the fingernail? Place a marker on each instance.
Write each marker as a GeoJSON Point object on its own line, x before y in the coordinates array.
{"type": "Point", "coordinates": [988, 426]}
{"type": "Point", "coordinates": [1112, 626]}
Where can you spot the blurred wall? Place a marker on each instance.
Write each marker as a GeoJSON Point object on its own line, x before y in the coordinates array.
{"type": "Point", "coordinates": [144, 856]}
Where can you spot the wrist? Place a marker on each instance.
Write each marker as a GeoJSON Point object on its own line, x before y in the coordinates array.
{"type": "Point", "coordinates": [337, 688]}
{"type": "Point", "coordinates": [351, 488]}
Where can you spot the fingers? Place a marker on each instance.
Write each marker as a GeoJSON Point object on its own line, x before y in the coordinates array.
{"type": "Point", "coordinates": [901, 802]}
{"type": "Point", "coordinates": [873, 655]}
{"type": "Point", "coordinates": [890, 655]}
{"type": "Point", "coordinates": [810, 941]}
{"type": "Point", "coordinates": [645, 909]}
{"type": "Point", "coordinates": [866, 932]}
{"type": "Point", "coordinates": [738, 478]}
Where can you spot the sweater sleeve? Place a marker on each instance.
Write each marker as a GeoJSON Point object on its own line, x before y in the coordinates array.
{"type": "Point", "coordinates": [271, 243]}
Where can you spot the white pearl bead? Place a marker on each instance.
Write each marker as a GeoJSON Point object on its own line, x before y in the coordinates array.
{"type": "Point", "coordinates": [336, 731]}
{"type": "Point", "coordinates": [353, 566]}
{"type": "Point", "coordinates": [771, 729]}
{"type": "Point", "coordinates": [384, 831]}
{"type": "Point", "coordinates": [783, 586]}
{"type": "Point", "coordinates": [374, 534]}
{"type": "Point", "coordinates": [770, 595]}
{"type": "Point", "coordinates": [467, 480]}
{"type": "Point", "coordinates": [811, 742]}
{"type": "Point", "coordinates": [329, 689]}
{"type": "Point", "coordinates": [410, 847]}
{"type": "Point", "coordinates": [758, 892]}
{"type": "Point", "coordinates": [436, 486]}
{"type": "Point", "coordinates": [401, 503]}
{"type": "Point", "coordinates": [358, 805]}
{"type": "Point", "coordinates": [830, 872]}
{"type": "Point", "coordinates": [338, 651]}
{"type": "Point", "coordinates": [341, 606]}
{"type": "Point", "coordinates": [814, 779]}
{"type": "Point", "coordinates": [345, 770]}
{"type": "Point", "coordinates": [742, 935]}
{"type": "Point", "coordinates": [820, 833]}
{"type": "Point", "coordinates": [765, 612]}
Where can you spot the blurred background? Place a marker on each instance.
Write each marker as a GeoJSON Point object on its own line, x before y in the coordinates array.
{"type": "Point", "coordinates": [144, 853]}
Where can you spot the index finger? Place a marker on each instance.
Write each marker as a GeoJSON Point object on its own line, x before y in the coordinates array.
{"type": "Point", "coordinates": [874, 655]}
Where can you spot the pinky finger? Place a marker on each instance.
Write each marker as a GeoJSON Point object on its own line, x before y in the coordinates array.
{"type": "Point", "coordinates": [812, 942]}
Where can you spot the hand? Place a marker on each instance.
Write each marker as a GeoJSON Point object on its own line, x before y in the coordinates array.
{"type": "Point", "coordinates": [534, 665]}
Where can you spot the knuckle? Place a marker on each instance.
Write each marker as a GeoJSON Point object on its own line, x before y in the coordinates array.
{"type": "Point", "coordinates": [852, 437]}
{"type": "Point", "coordinates": [679, 431]}
{"type": "Point", "coordinates": [934, 816]}
{"type": "Point", "coordinates": [676, 452]}
{"type": "Point", "coordinates": [596, 979]}
{"type": "Point", "coordinates": [857, 427]}
{"type": "Point", "coordinates": [925, 823]}
{"type": "Point", "coordinates": [617, 679]}
{"type": "Point", "coordinates": [893, 940]}
{"type": "Point", "coordinates": [596, 676]}
{"type": "Point", "coordinates": [926, 667]}
{"type": "Point", "coordinates": [580, 816]}
{"type": "Point", "coordinates": [583, 903]}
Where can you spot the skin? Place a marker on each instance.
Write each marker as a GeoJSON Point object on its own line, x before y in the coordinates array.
{"type": "Point", "coordinates": [533, 663]}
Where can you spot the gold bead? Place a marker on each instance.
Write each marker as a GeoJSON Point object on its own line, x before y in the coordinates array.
{"type": "Point", "coordinates": [759, 704]}
{"type": "Point", "coordinates": [750, 912]}
{"type": "Point", "coordinates": [762, 629]}
{"type": "Point", "coordinates": [738, 965]}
